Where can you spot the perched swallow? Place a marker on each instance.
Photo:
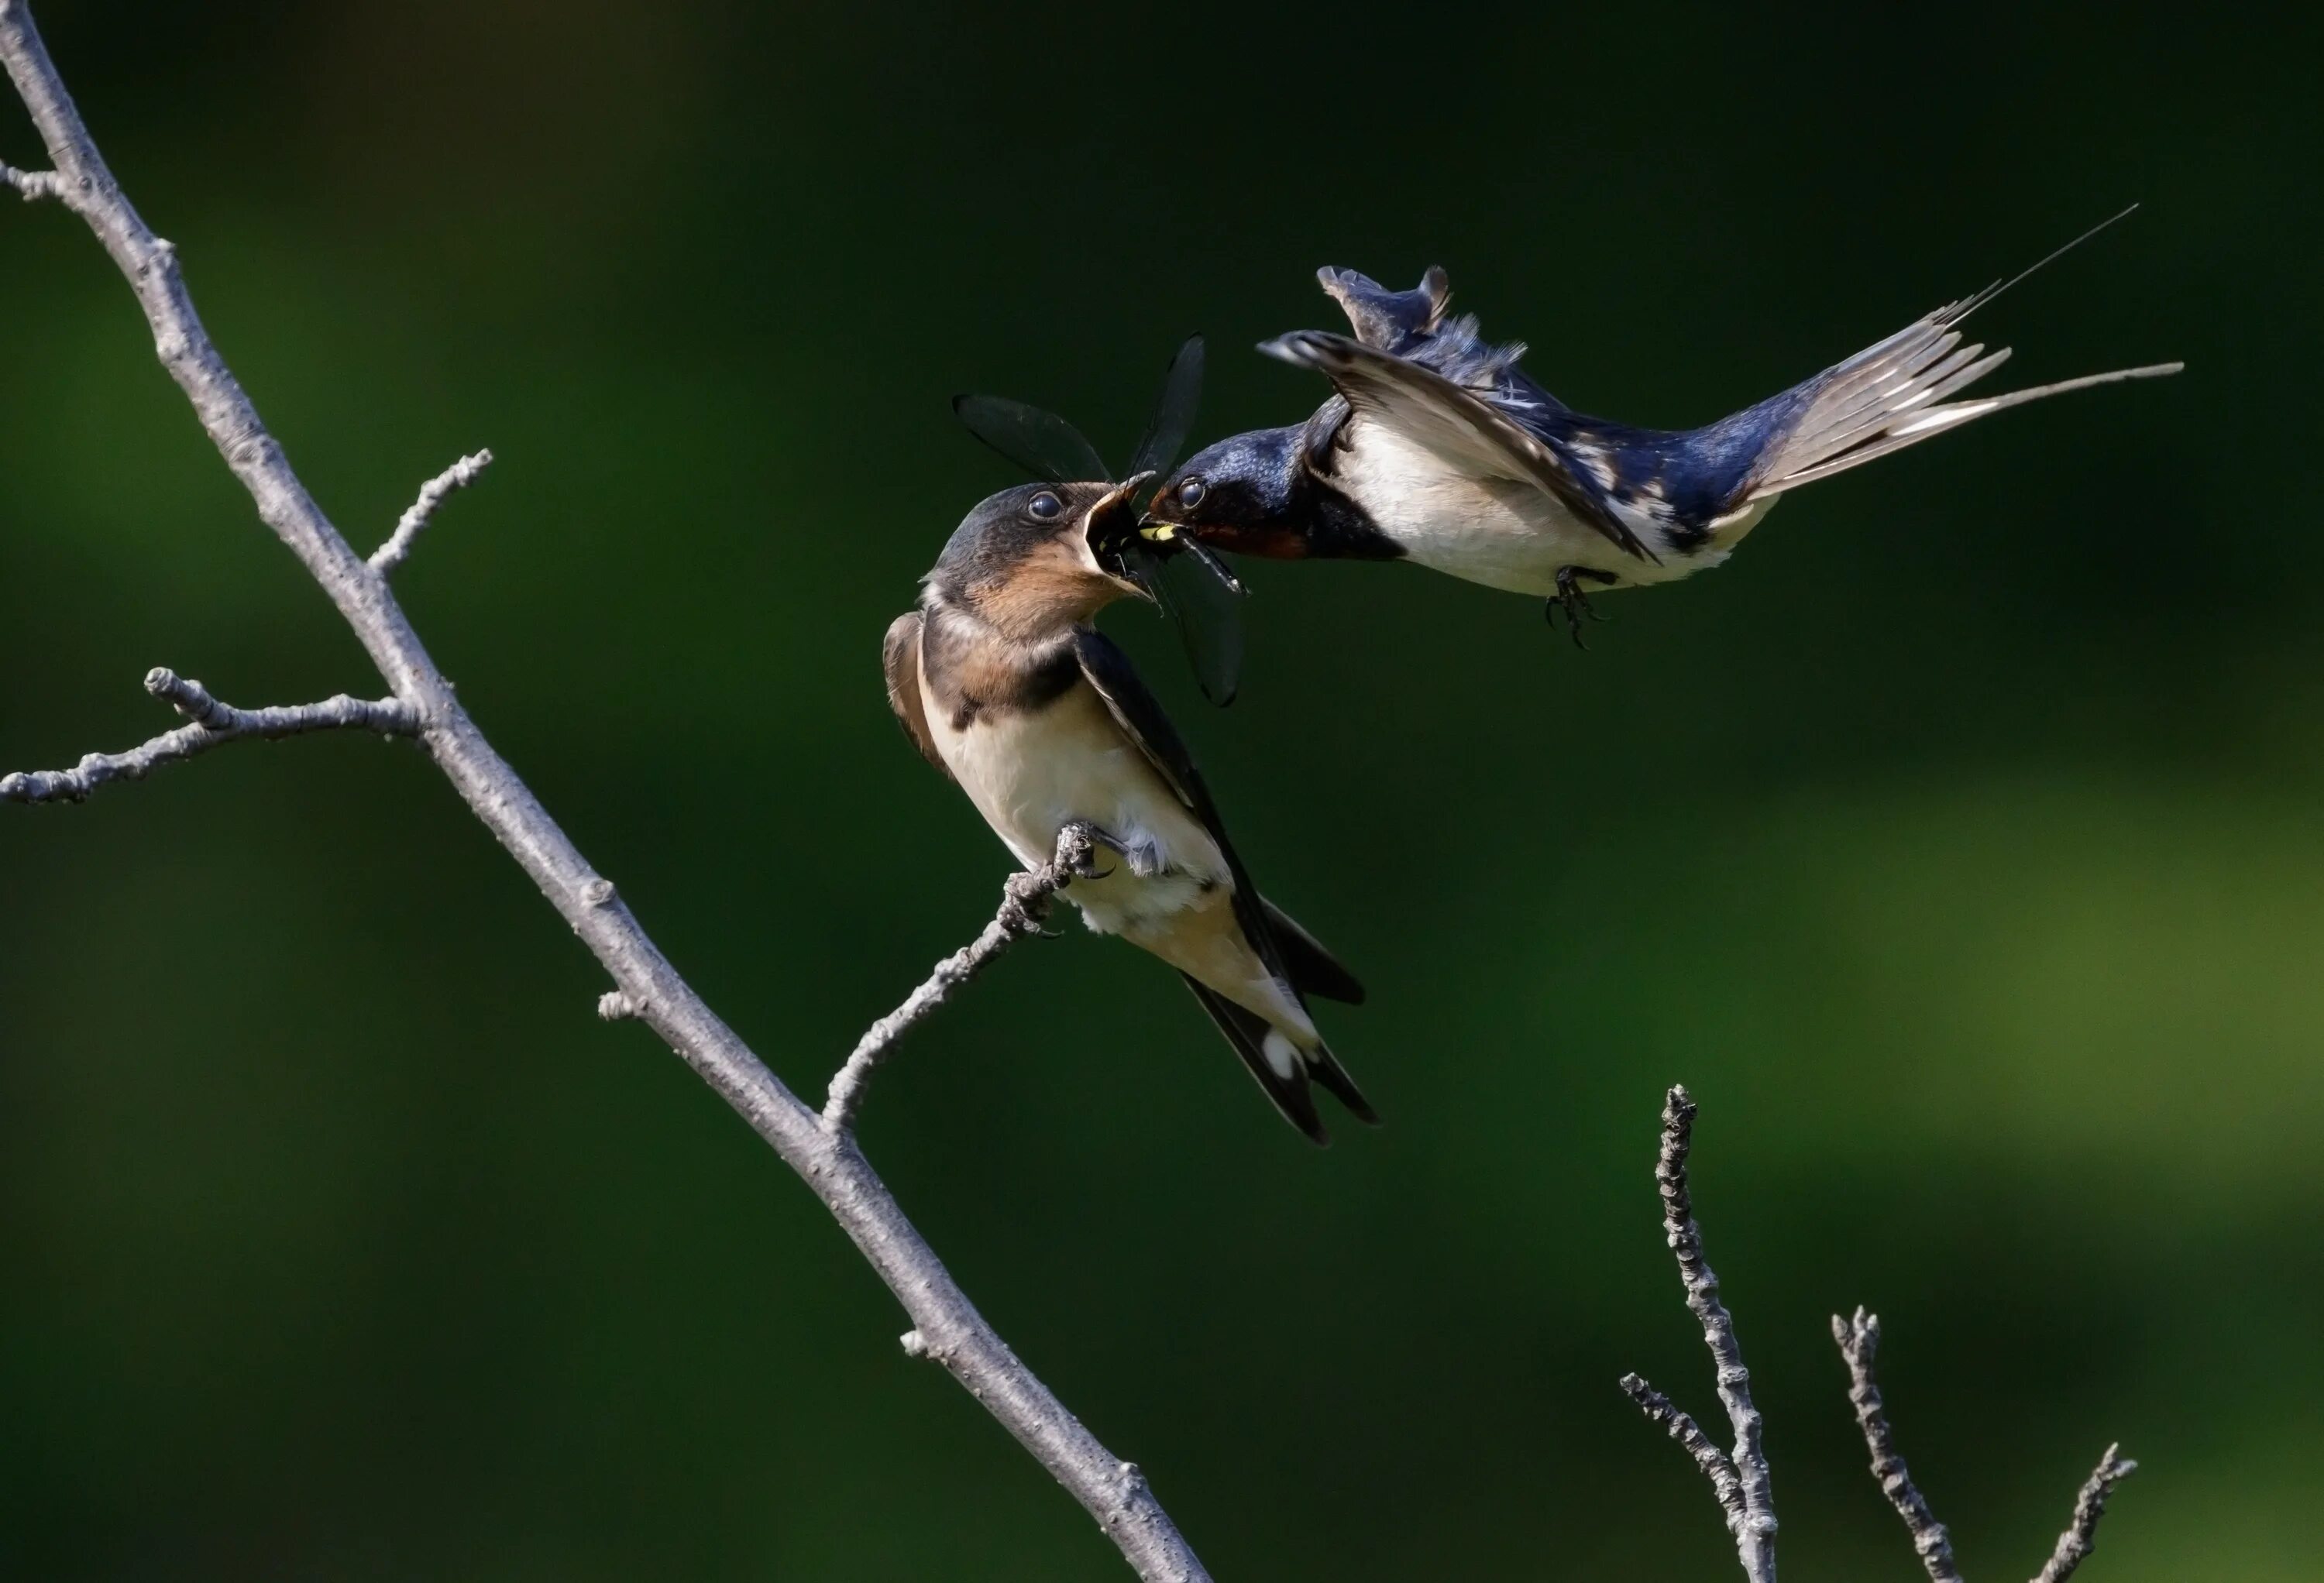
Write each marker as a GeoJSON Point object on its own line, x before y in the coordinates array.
{"type": "Point", "coordinates": [1438, 448]}
{"type": "Point", "coordinates": [1004, 684]}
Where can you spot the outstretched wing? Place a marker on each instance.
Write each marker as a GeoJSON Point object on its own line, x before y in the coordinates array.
{"type": "Point", "coordinates": [900, 655]}
{"type": "Point", "coordinates": [1391, 321]}
{"type": "Point", "coordinates": [1465, 428]}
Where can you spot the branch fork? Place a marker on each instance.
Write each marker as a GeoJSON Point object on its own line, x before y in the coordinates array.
{"type": "Point", "coordinates": [649, 988]}
{"type": "Point", "coordinates": [1740, 1482]}
{"type": "Point", "coordinates": [432, 494]}
{"type": "Point", "coordinates": [214, 723]}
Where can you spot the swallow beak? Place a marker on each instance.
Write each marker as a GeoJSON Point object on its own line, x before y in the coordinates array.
{"type": "Point", "coordinates": [1114, 530]}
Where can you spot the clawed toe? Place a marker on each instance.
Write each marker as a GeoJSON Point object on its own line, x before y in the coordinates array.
{"type": "Point", "coordinates": [1082, 864]}
{"type": "Point", "coordinates": [1570, 602]}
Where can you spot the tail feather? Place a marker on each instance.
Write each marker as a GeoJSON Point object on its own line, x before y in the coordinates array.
{"type": "Point", "coordinates": [1916, 421]}
{"type": "Point", "coordinates": [1282, 1070]}
{"type": "Point", "coordinates": [1893, 394]}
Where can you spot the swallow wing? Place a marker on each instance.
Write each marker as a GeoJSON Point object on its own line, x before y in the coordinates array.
{"type": "Point", "coordinates": [1465, 428]}
{"type": "Point", "coordinates": [1314, 969]}
{"type": "Point", "coordinates": [900, 655]}
{"type": "Point", "coordinates": [1289, 951]}
{"type": "Point", "coordinates": [1135, 711]}
{"type": "Point", "coordinates": [1392, 321]}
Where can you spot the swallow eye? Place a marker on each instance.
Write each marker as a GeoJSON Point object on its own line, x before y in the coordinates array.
{"type": "Point", "coordinates": [1044, 507]}
{"type": "Point", "coordinates": [1191, 493]}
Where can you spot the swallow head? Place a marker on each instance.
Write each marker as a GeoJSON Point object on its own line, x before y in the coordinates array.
{"type": "Point", "coordinates": [1040, 559]}
{"type": "Point", "coordinates": [1242, 494]}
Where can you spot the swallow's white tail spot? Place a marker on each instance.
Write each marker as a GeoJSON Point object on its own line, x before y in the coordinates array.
{"type": "Point", "coordinates": [1282, 1055]}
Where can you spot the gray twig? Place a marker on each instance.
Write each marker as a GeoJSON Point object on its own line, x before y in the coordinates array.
{"type": "Point", "coordinates": [1716, 1465]}
{"type": "Point", "coordinates": [214, 723]}
{"type": "Point", "coordinates": [1860, 1339]}
{"type": "Point", "coordinates": [950, 1325]}
{"type": "Point", "coordinates": [1741, 1482]}
{"type": "Point", "coordinates": [32, 186]}
{"type": "Point", "coordinates": [458, 476]}
{"type": "Point", "coordinates": [1751, 1504]}
{"type": "Point", "coordinates": [2081, 1535]}
{"type": "Point", "coordinates": [1024, 906]}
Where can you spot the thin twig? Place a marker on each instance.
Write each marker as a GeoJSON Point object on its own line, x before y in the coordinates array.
{"type": "Point", "coordinates": [1024, 906]}
{"type": "Point", "coordinates": [1716, 1465]}
{"type": "Point", "coordinates": [2081, 1535]}
{"type": "Point", "coordinates": [1754, 1526]}
{"type": "Point", "coordinates": [458, 476]}
{"type": "Point", "coordinates": [1120, 1500]}
{"type": "Point", "coordinates": [32, 186]}
{"type": "Point", "coordinates": [1741, 1482]}
{"type": "Point", "coordinates": [1859, 1341]}
{"type": "Point", "coordinates": [214, 724]}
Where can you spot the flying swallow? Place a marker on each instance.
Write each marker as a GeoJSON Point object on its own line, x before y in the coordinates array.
{"type": "Point", "coordinates": [1002, 683]}
{"type": "Point", "coordinates": [1438, 448]}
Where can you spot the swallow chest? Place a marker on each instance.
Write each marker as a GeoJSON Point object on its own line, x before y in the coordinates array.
{"type": "Point", "coordinates": [1032, 770]}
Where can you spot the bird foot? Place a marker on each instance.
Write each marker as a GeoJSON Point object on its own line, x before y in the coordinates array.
{"type": "Point", "coordinates": [1078, 844]}
{"type": "Point", "coordinates": [1144, 857]}
{"type": "Point", "coordinates": [1572, 603]}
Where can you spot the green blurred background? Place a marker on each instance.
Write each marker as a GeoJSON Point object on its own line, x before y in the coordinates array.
{"type": "Point", "coordinates": [1959, 843]}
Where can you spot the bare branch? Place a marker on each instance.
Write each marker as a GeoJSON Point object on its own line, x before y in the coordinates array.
{"type": "Point", "coordinates": [2081, 1535]}
{"type": "Point", "coordinates": [1024, 906]}
{"type": "Point", "coordinates": [214, 723]}
{"type": "Point", "coordinates": [1715, 1464]}
{"type": "Point", "coordinates": [942, 1315]}
{"type": "Point", "coordinates": [1860, 1339]}
{"type": "Point", "coordinates": [1754, 1523]}
{"type": "Point", "coordinates": [458, 476]}
{"type": "Point", "coordinates": [1741, 1484]}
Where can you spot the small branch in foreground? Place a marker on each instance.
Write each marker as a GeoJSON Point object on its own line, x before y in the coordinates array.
{"type": "Point", "coordinates": [433, 494]}
{"type": "Point", "coordinates": [1741, 1484]}
{"type": "Point", "coordinates": [2082, 1534]}
{"type": "Point", "coordinates": [214, 723]}
{"type": "Point", "coordinates": [1749, 1504]}
{"type": "Point", "coordinates": [1860, 1339]}
{"type": "Point", "coordinates": [1715, 1463]}
{"type": "Point", "coordinates": [1025, 901]}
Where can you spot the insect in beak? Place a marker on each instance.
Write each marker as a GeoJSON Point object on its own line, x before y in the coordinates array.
{"type": "Point", "coordinates": [1114, 532]}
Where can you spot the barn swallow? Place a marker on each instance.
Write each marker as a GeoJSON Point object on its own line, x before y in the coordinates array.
{"type": "Point", "coordinates": [1438, 448]}
{"type": "Point", "coordinates": [1002, 683]}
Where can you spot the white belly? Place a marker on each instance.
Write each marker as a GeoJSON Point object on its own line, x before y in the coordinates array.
{"type": "Point", "coordinates": [1032, 774]}
{"type": "Point", "coordinates": [1502, 532]}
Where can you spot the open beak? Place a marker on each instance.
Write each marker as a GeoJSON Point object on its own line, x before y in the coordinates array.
{"type": "Point", "coordinates": [1112, 529]}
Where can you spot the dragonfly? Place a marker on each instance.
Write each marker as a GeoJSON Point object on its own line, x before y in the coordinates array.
{"type": "Point", "coordinates": [1186, 578]}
